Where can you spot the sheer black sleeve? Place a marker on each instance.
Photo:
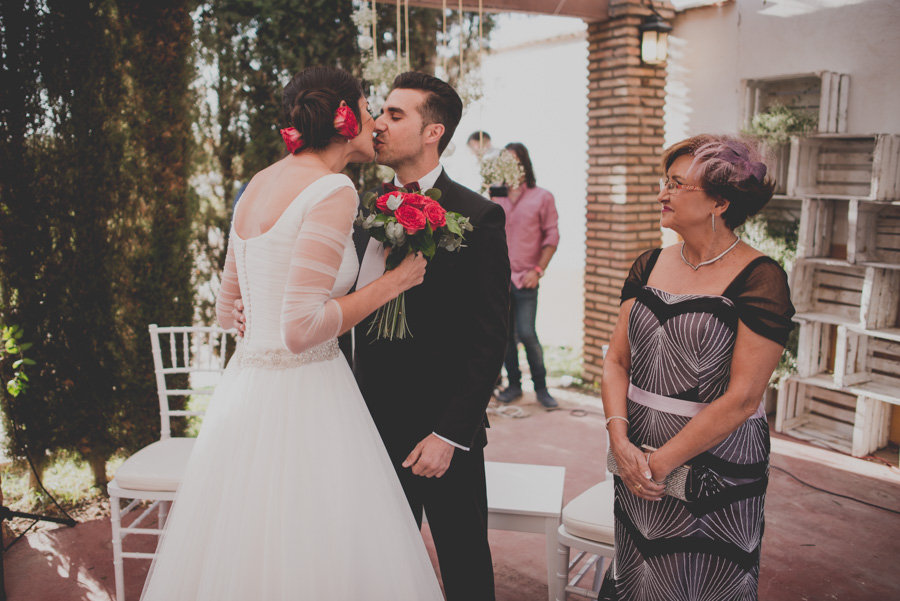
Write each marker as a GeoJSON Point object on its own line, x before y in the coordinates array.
{"type": "Point", "coordinates": [639, 274]}
{"type": "Point", "coordinates": [763, 300]}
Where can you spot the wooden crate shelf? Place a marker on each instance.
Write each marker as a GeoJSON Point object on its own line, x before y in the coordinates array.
{"type": "Point", "coordinates": [868, 363]}
{"type": "Point", "coordinates": [845, 286]}
{"type": "Point", "coordinates": [833, 289]}
{"type": "Point", "coordinates": [815, 409]}
{"type": "Point", "coordinates": [851, 360]}
{"type": "Point", "coordinates": [877, 229]}
{"type": "Point", "coordinates": [817, 348]}
{"type": "Point", "coordinates": [860, 232]}
{"type": "Point", "coordinates": [837, 292]}
{"type": "Point", "coordinates": [845, 166]}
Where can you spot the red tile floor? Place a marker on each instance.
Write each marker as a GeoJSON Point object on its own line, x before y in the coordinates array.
{"type": "Point", "coordinates": [816, 547]}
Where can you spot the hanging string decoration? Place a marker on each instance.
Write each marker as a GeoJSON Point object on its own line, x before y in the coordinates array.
{"type": "Point", "coordinates": [379, 71]}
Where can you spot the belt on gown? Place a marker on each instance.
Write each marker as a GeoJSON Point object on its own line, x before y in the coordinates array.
{"type": "Point", "coordinates": [676, 406]}
{"type": "Point", "coordinates": [281, 358]}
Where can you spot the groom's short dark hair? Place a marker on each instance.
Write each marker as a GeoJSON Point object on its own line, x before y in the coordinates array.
{"type": "Point", "coordinates": [442, 104]}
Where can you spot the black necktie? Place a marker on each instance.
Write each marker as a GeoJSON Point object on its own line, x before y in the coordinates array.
{"type": "Point", "coordinates": [410, 187]}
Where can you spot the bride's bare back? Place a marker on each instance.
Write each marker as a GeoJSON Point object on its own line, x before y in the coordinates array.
{"type": "Point", "coordinates": [271, 191]}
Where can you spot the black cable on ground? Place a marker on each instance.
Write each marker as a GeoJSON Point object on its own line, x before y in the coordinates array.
{"type": "Point", "coordinates": [584, 413]}
{"type": "Point", "coordinates": [15, 431]}
{"type": "Point", "coordinates": [20, 536]}
{"type": "Point", "coordinates": [849, 498]}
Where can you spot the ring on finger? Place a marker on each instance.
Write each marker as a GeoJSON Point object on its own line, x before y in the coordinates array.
{"type": "Point", "coordinates": [639, 487]}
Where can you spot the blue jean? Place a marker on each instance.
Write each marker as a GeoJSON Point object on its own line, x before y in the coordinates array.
{"type": "Point", "coordinates": [522, 315]}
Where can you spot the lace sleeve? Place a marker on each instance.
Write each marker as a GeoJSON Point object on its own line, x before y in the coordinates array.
{"type": "Point", "coordinates": [639, 274]}
{"type": "Point", "coordinates": [230, 289]}
{"type": "Point", "coordinates": [763, 300]}
{"type": "Point", "coordinates": [309, 316]}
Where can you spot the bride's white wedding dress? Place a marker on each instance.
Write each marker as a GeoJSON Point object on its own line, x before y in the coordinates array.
{"type": "Point", "coordinates": [289, 493]}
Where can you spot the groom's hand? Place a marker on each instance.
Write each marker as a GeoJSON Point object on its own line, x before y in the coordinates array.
{"type": "Point", "coordinates": [237, 314]}
{"type": "Point", "coordinates": [431, 457]}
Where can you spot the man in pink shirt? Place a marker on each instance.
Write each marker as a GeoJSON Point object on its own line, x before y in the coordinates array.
{"type": "Point", "coordinates": [532, 235]}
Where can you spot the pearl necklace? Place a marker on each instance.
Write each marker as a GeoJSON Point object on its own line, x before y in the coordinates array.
{"type": "Point", "coordinates": [689, 264]}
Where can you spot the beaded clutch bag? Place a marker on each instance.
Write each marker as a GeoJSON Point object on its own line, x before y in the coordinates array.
{"type": "Point", "coordinates": [678, 482]}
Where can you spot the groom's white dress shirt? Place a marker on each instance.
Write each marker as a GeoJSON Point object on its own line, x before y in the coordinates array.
{"type": "Point", "coordinates": [372, 266]}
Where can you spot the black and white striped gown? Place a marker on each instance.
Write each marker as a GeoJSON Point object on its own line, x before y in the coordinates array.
{"type": "Point", "coordinates": [681, 349]}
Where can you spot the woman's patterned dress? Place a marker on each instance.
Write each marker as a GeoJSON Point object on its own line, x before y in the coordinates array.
{"type": "Point", "coordinates": [681, 351]}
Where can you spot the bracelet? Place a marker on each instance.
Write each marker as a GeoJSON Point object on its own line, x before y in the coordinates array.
{"type": "Point", "coordinates": [538, 270]}
{"type": "Point", "coordinates": [648, 465]}
{"type": "Point", "coordinates": [609, 419]}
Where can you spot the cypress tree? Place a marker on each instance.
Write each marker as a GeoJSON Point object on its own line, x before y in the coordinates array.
{"type": "Point", "coordinates": [61, 146]}
{"type": "Point", "coordinates": [161, 205]}
{"type": "Point", "coordinates": [97, 211]}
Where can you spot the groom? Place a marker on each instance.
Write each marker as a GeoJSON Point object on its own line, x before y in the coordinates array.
{"type": "Point", "coordinates": [427, 393]}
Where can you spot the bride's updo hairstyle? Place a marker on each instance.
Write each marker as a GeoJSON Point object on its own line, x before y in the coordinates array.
{"type": "Point", "coordinates": [311, 98]}
{"type": "Point", "coordinates": [729, 169]}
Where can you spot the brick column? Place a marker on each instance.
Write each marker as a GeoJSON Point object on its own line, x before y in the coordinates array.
{"type": "Point", "coordinates": [625, 129]}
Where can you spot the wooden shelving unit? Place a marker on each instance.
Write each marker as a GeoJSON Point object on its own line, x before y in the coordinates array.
{"type": "Point", "coordinates": [846, 289]}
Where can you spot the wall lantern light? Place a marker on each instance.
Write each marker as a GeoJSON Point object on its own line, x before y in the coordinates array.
{"type": "Point", "coordinates": [654, 40]}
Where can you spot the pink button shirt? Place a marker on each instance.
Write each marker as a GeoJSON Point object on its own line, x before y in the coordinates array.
{"type": "Point", "coordinates": [531, 224]}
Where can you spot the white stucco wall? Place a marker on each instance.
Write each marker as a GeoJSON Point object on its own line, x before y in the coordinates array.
{"type": "Point", "coordinates": [535, 92]}
{"type": "Point", "coordinates": [714, 49]}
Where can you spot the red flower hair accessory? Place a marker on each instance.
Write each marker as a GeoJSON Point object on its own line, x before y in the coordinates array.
{"type": "Point", "coordinates": [345, 122]}
{"type": "Point", "coordinates": [292, 139]}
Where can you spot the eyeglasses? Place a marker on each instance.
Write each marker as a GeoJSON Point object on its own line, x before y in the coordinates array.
{"type": "Point", "coordinates": [672, 187]}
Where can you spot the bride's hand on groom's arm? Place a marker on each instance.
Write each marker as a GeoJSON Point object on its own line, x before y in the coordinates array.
{"type": "Point", "coordinates": [431, 457]}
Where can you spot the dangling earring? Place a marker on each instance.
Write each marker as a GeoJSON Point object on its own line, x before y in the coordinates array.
{"type": "Point", "coordinates": [713, 215]}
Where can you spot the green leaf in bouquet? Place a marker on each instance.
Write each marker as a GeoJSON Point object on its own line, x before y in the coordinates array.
{"type": "Point", "coordinates": [453, 225]}
{"type": "Point", "coordinates": [428, 247]}
{"type": "Point", "coordinates": [432, 193]}
{"type": "Point", "coordinates": [368, 200]}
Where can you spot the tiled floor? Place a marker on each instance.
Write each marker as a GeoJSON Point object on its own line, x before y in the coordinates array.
{"type": "Point", "coordinates": [816, 547]}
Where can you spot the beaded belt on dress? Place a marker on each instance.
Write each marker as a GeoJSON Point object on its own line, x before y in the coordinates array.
{"type": "Point", "coordinates": [676, 406]}
{"type": "Point", "coordinates": [276, 358]}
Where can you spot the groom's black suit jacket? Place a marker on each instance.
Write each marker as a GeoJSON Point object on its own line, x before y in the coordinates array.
{"type": "Point", "coordinates": [441, 378]}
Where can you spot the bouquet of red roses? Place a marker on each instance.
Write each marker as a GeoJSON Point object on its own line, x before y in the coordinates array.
{"type": "Point", "coordinates": [408, 222]}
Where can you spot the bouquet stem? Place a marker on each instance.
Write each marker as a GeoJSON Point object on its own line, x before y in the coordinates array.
{"type": "Point", "coordinates": [390, 320]}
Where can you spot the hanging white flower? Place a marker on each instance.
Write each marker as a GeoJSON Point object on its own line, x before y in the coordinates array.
{"type": "Point", "coordinates": [365, 42]}
{"type": "Point", "coordinates": [363, 16]}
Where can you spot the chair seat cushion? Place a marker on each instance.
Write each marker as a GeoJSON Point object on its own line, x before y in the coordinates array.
{"type": "Point", "coordinates": [159, 466]}
{"type": "Point", "coordinates": [590, 514]}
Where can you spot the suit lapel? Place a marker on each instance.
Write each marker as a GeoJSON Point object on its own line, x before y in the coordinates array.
{"type": "Point", "coordinates": [445, 185]}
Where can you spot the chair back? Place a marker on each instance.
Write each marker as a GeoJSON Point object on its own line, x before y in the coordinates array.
{"type": "Point", "coordinates": [188, 361]}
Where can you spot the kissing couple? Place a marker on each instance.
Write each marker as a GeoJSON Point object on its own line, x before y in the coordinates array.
{"type": "Point", "coordinates": [308, 480]}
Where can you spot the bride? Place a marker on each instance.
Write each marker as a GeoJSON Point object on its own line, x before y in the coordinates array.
{"type": "Point", "coordinates": [289, 493]}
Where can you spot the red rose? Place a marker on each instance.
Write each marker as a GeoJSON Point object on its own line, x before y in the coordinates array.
{"type": "Point", "coordinates": [413, 199]}
{"type": "Point", "coordinates": [382, 201]}
{"type": "Point", "coordinates": [435, 214]}
{"type": "Point", "coordinates": [411, 218]}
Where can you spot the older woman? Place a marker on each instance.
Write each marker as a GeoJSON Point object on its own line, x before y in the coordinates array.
{"type": "Point", "coordinates": [701, 328]}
